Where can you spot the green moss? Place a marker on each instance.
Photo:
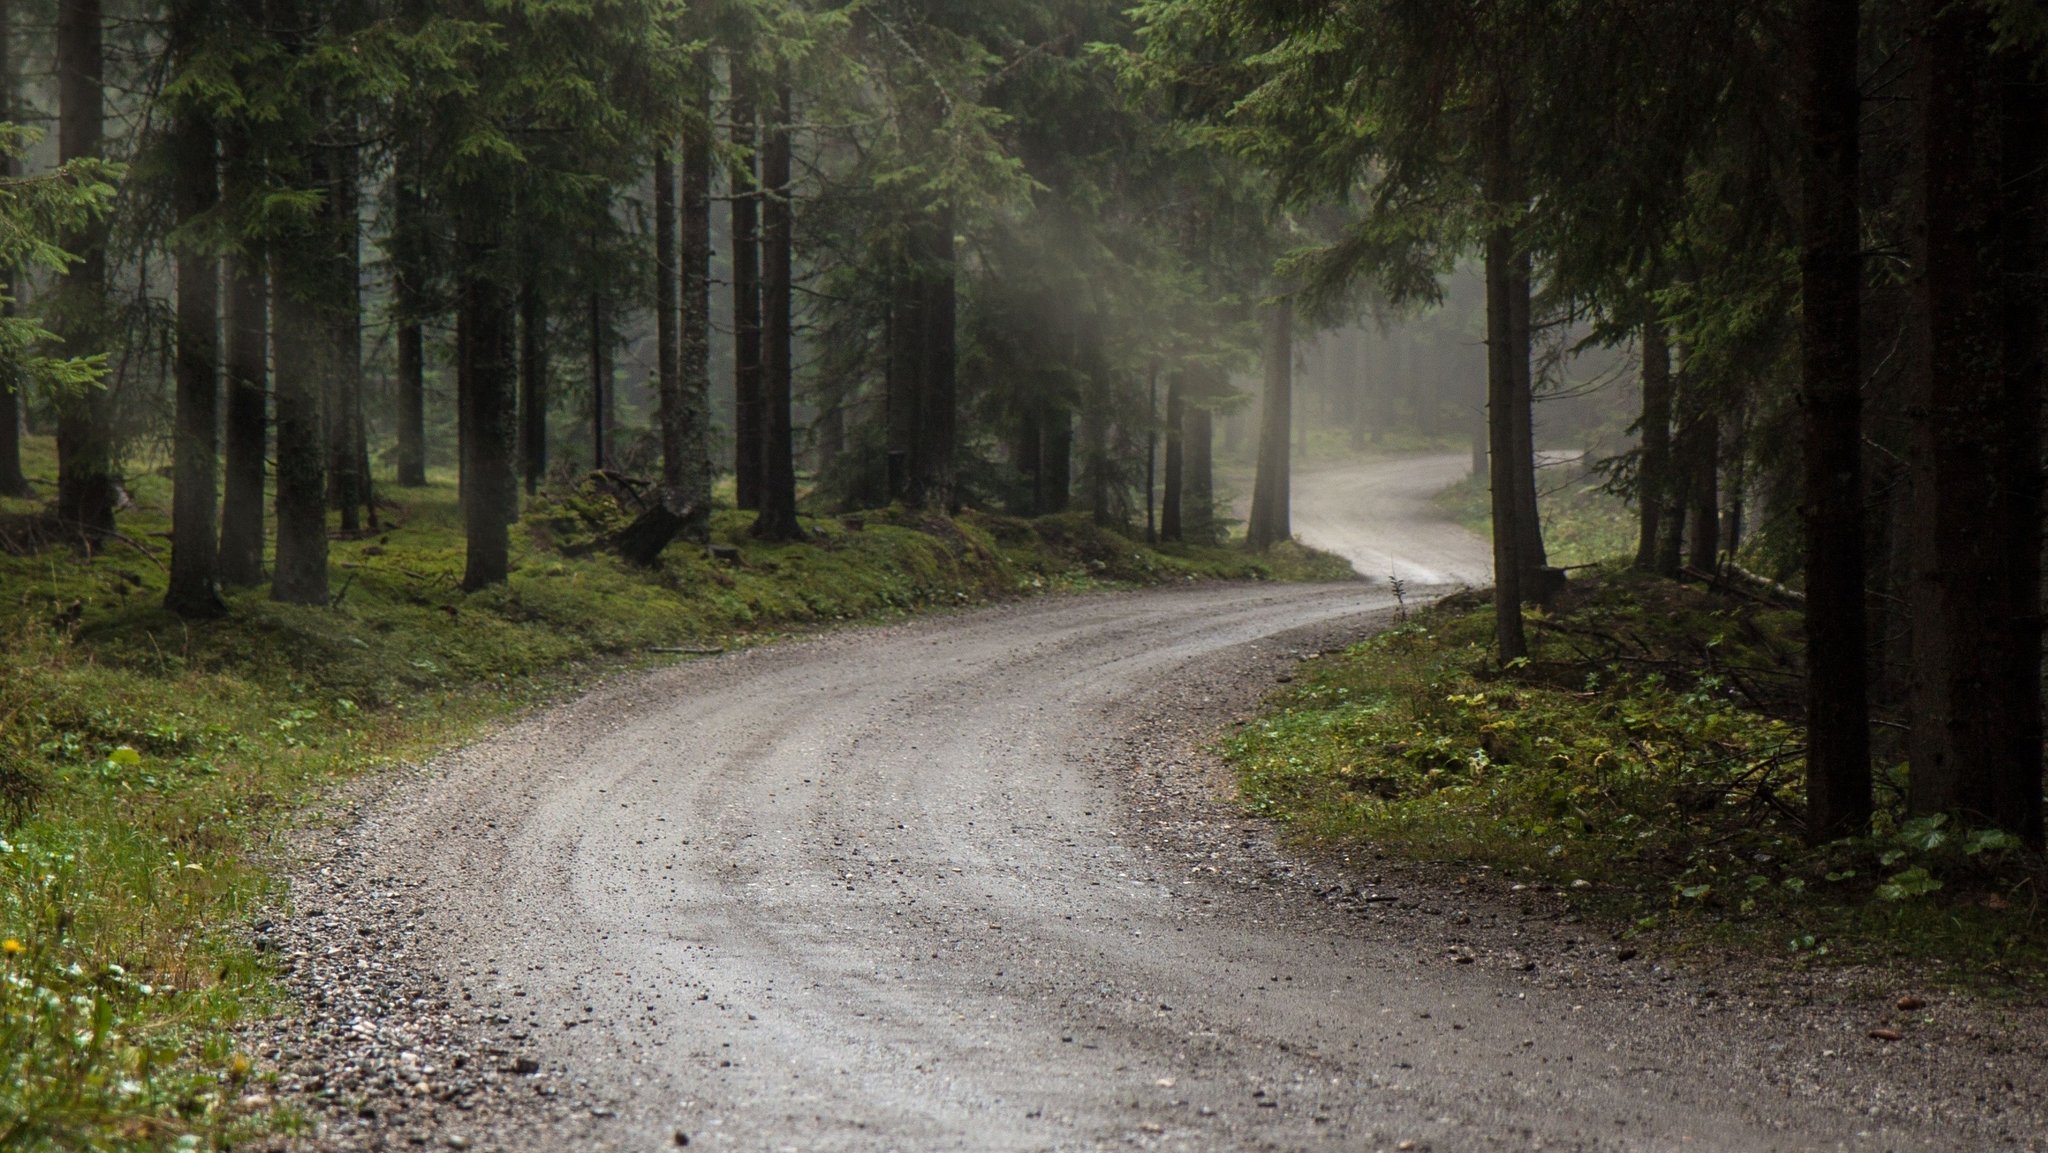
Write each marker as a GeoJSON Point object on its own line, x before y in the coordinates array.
{"type": "Point", "coordinates": [1648, 759]}
{"type": "Point", "coordinates": [1583, 524]}
{"type": "Point", "coordinates": [147, 760]}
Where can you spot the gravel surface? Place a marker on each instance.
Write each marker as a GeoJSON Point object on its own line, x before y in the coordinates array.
{"type": "Point", "coordinates": [970, 883]}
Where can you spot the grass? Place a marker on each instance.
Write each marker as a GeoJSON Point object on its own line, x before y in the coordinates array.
{"type": "Point", "coordinates": [147, 762]}
{"type": "Point", "coordinates": [1647, 760]}
{"type": "Point", "coordinates": [1582, 524]}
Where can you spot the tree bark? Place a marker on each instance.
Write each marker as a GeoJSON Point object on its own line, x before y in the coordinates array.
{"type": "Point", "coordinates": [904, 336]}
{"type": "Point", "coordinates": [1198, 483]}
{"type": "Point", "coordinates": [602, 450]}
{"type": "Point", "coordinates": [1703, 541]}
{"type": "Point", "coordinates": [1831, 378]}
{"type": "Point", "coordinates": [533, 373]}
{"type": "Point", "coordinates": [194, 587]}
{"type": "Point", "coordinates": [938, 391]}
{"type": "Point", "coordinates": [247, 427]}
{"type": "Point", "coordinates": [2012, 796]}
{"type": "Point", "coordinates": [695, 355]}
{"type": "Point", "coordinates": [777, 519]}
{"type": "Point", "coordinates": [347, 486]}
{"type": "Point", "coordinates": [1535, 581]}
{"type": "Point", "coordinates": [1170, 528]}
{"type": "Point", "coordinates": [1055, 458]}
{"type": "Point", "coordinates": [1653, 469]}
{"type": "Point", "coordinates": [1502, 393]}
{"type": "Point", "coordinates": [12, 386]}
{"type": "Point", "coordinates": [746, 295]}
{"type": "Point", "coordinates": [668, 384]}
{"type": "Point", "coordinates": [87, 486]}
{"type": "Point", "coordinates": [1975, 744]}
{"type": "Point", "coordinates": [1269, 513]}
{"type": "Point", "coordinates": [300, 575]}
{"type": "Point", "coordinates": [409, 308]}
{"type": "Point", "coordinates": [490, 491]}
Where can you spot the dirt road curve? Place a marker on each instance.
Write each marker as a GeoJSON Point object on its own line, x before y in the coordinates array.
{"type": "Point", "coordinates": [1377, 515]}
{"type": "Point", "coordinates": [960, 884]}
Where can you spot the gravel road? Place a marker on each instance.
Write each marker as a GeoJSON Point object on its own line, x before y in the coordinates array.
{"type": "Point", "coordinates": [968, 883]}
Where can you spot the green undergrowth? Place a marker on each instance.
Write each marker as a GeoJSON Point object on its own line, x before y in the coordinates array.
{"type": "Point", "coordinates": [147, 763]}
{"type": "Point", "coordinates": [1582, 523]}
{"type": "Point", "coordinates": [1646, 760]}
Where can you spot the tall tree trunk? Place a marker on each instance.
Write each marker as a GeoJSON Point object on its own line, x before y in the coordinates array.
{"type": "Point", "coordinates": [247, 427]}
{"type": "Point", "coordinates": [1503, 192]}
{"type": "Point", "coordinates": [12, 386]}
{"type": "Point", "coordinates": [486, 408]}
{"type": "Point", "coordinates": [746, 295]}
{"type": "Point", "coordinates": [668, 383]}
{"type": "Point", "coordinates": [1831, 377]}
{"type": "Point", "coordinates": [777, 520]}
{"type": "Point", "coordinates": [904, 382]}
{"type": "Point", "coordinates": [194, 589]}
{"type": "Point", "coordinates": [938, 392]}
{"type": "Point", "coordinates": [409, 308]}
{"type": "Point", "coordinates": [1529, 549]}
{"type": "Point", "coordinates": [695, 356]}
{"type": "Point", "coordinates": [347, 486]}
{"type": "Point", "coordinates": [1170, 527]}
{"type": "Point", "coordinates": [1975, 743]}
{"type": "Point", "coordinates": [533, 372]}
{"type": "Point", "coordinates": [1703, 541]}
{"type": "Point", "coordinates": [1198, 482]}
{"type": "Point", "coordinates": [602, 450]}
{"type": "Point", "coordinates": [87, 488]}
{"type": "Point", "coordinates": [1653, 470]}
{"type": "Point", "coordinates": [2012, 797]}
{"type": "Point", "coordinates": [1269, 514]}
{"type": "Point", "coordinates": [1055, 458]}
{"type": "Point", "coordinates": [300, 575]}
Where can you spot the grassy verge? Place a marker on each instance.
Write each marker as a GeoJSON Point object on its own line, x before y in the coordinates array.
{"type": "Point", "coordinates": [1647, 760]}
{"type": "Point", "coordinates": [144, 759]}
{"type": "Point", "coordinates": [1582, 525]}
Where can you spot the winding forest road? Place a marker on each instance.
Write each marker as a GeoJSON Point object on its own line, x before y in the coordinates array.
{"type": "Point", "coordinates": [964, 883]}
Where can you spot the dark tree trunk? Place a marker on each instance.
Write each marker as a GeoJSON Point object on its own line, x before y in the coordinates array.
{"type": "Point", "coordinates": [1170, 527]}
{"type": "Point", "coordinates": [347, 486]}
{"type": "Point", "coordinates": [1055, 458]}
{"type": "Point", "coordinates": [777, 520]}
{"type": "Point", "coordinates": [746, 296]}
{"type": "Point", "coordinates": [938, 392]}
{"type": "Point", "coordinates": [904, 384]}
{"type": "Point", "coordinates": [533, 374]}
{"type": "Point", "coordinates": [194, 589]}
{"type": "Point", "coordinates": [1976, 705]}
{"type": "Point", "coordinates": [12, 481]}
{"type": "Point", "coordinates": [1703, 541]}
{"type": "Point", "coordinates": [1653, 469]}
{"type": "Point", "coordinates": [490, 491]}
{"type": "Point", "coordinates": [602, 450]}
{"type": "Point", "coordinates": [1502, 393]}
{"type": "Point", "coordinates": [247, 427]}
{"type": "Point", "coordinates": [1528, 515]}
{"type": "Point", "coordinates": [695, 355]}
{"type": "Point", "coordinates": [1269, 513]}
{"type": "Point", "coordinates": [300, 576]}
{"type": "Point", "coordinates": [1198, 483]}
{"type": "Point", "coordinates": [1831, 377]}
{"type": "Point", "coordinates": [2012, 797]}
{"type": "Point", "coordinates": [87, 487]}
{"type": "Point", "coordinates": [668, 384]}
{"type": "Point", "coordinates": [409, 306]}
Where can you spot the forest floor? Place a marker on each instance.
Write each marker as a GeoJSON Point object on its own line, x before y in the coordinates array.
{"type": "Point", "coordinates": [973, 883]}
{"type": "Point", "coordinates": [154, 771]}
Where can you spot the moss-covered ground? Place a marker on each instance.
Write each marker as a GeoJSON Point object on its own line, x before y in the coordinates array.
{"type": "Point", "coordinates": [145, 759]}
{"type": "Point", "coordinates": [1647, 760]}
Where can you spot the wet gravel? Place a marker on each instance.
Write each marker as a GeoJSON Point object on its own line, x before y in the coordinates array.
{"type": "Point", "coordinates": [402, 1035]}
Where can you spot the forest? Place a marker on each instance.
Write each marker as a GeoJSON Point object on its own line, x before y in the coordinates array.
{"type": "Point", "coordinates": [642, 278]}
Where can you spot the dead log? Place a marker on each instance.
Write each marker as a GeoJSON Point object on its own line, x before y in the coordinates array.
{"type": "Point", "coordinates": [641, 542]}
